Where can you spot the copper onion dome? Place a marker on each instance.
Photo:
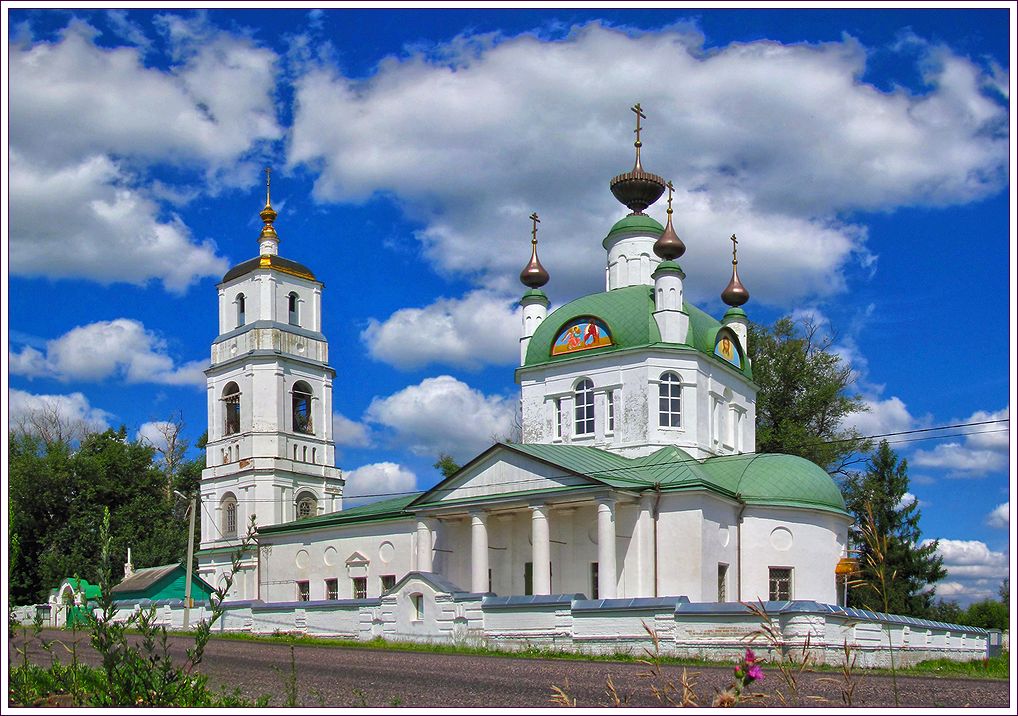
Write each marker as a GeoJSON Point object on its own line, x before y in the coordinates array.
{"type": "Point", "coordinates": [637, 189]}
{"type": "Point", "coordinates": [735, 294]}
{"type": "Point", "coordinates": [534, 274]}
{"type": "Point", "coordinates": [669, 246]}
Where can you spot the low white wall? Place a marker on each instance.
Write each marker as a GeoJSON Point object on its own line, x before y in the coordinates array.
{"type": "Point", "coordinates": [423, 609]}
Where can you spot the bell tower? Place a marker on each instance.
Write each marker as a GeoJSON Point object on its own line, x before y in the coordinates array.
{"type": "Point", "coordinates": [270, 451]}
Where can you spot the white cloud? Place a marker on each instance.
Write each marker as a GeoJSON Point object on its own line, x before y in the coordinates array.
{"type": "Point", "coordinates": [1000, 516]}
{"type": "Point", "coordinates": [974, 571]}
{"type": "Point", "coordinates": [120, 348]}
{"type": "Point", "coordinates": [380, 480]}
{"type": "Point", "coordinates": [103, 228]}
{"type": "Point", "coordinates": [467, 332]}
{"type": "Point", "coordinates": [769, 141]}
{"type": "Point", "coordinates": [81, 201]}
{"type": "Point", "coordinates": [153, 433]}
{"type": "Point", "coordinates": [890, 415]}
{"type": "Point", "coordinates": [349, 432]}
{"type": "Point", "coordinates": [907, 499]}
{"type": "Point", "coordinates": [443, 415]}
{"type": "Point", "coordinates": [73, 410]}
{"type": "Point", "coordinates": [983, 450]}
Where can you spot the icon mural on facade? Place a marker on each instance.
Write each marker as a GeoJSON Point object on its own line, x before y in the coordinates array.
{"type": "Point", "coordinates": [727, 349]}
{"type": "Point", "coordinates": [581, 334]}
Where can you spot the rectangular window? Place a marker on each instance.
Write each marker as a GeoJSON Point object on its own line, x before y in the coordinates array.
{"type": "Point", "coordinates": [780, 584]}
{"type": "Point", "coordinates": [610, 422]}
{"type": "Point", "coordinates": [722, 582]}
{"type": "Point", "coordinates": [593, 580]}
{"type": "Point", "coordinates": [303, 591]}
{"type": "Point", "coordinates": [332, 589]}
{"type": "Point", "coordinates": [492, 591]}
{"type": "Point", "coordinates": [418, 601]}
{"type": "Point", "coordinates": [558, 418]}
{"type": "Point", "coordinates": [360, 587]}
{"type": "Point", "coordinates": [388, 582]}
{"type": "Point", "coordinates": [528, 578]}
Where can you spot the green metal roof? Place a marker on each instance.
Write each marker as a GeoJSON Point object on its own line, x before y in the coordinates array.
{"type": "Point", "coordinates": [668, 266]}
{"type": "Point", "coordinates": [778, 480]}
{"type": "Point", "coordinates": [92, 591]}
{"type": "Point", "coordinates": [382, 510]}
{"type": "Point", "coordinates": [760, 479]}
{"type": "Point", "coordinates": [634, 223]}
{"type": "Point", "coordinates": [629, 314]}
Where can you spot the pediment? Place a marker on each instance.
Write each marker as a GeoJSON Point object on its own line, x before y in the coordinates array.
{"type": "Point", "coordinates": [501, 472]}
{"type": "Point", "coordinates": [356, 559]}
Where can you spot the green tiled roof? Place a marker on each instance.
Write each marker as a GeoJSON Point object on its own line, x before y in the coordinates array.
{"type": "Point", "coordinates": [776, 480]}
{"type": "Point", "coordinates": [634, 223]}
{"type": "Point", "coordinates": [781, 480]}
{"type": "Point", "coordinates": [629, 314]}
{"type": "Point", "coordinates": [383, 509]}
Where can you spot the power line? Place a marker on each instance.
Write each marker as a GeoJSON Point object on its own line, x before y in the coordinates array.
{"type": "Point", "coordinates": [730, 458]}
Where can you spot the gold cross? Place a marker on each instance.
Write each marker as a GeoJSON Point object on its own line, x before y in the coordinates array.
{"type": "Point", "coordinates": [268, 183]}
{"type": "Point", "coordinates": [670, 190]}
{"type": "Point", "coordinates": [639, 114]}
{"type": "Point", "coordinates": [533, 218]}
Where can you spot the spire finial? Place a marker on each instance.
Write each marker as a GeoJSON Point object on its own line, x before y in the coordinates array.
{"type": "Point", "coordinates": [639, 115]}
{"type": "Point", "coordinates": [669, 246]}
{"type": "Point", "coordinates": [268, 240]}
{"type": "Point", "coordinates": [637, 189]}
{"type": "Point", "coordinates": [735, 294]}
{"type": "Point", "coordinates": [534, 274]}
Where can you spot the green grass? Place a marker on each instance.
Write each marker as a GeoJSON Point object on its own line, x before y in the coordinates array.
{"type": "Point", "coordinates": [996, 668]}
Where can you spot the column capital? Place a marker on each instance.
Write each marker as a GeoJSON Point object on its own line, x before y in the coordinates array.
{"type": "Point", "coordinates": [606, 501]}
{"type": "Point", "coordinates": [478, 516]}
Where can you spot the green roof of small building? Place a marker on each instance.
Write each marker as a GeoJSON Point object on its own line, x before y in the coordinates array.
{"type": "Point", "coordinates": [92, 591]}
{"type": "Point", "coordinates": [634, 223]}
{"type": "Point", "coordinates": [777, 480]}
{"type": "Point", "coordinates": [668, 266]}
{"type": "Point", "coordinates": [629, 315]}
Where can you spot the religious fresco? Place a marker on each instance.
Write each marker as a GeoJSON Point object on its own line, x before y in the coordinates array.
{"type": "Point", "coordinates": [727, 349]}
{"type": "Point", "coordinates": [581, 334]}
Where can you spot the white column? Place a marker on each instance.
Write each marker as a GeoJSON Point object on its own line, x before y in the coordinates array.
{"type": "Point", "coordinates": [478, 552]}
{"type": "Point", "coordinates": [541, 544]}
{"type": "Point", "coordinates": [423, 547]}
{"type": "Point", "coordinates": [606, 578]}
{"type": "Point", "coordinates": [647, 561]}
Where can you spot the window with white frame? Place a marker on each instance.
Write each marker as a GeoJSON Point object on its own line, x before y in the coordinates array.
{"type": "Point", "coordinates": [557, 418]}
{"type": "Point", "coordinates": [302, 396]}
{"type": "Point", "coordinates": [231, 408]}
{"type": "Point", "coordinates": [228, 506]}
{"type": "Point", "coordinates": [307, 505]}
{"type": "Point", "coordinates": [303, 591]}
{"type": "Point", "coordinates": [241, 310]}
{"type": "Point", "coordinates": [609, 422]}
{"type": "Point", "coordinates": [669, 391]}
{"type": "Point", "coordinates": [583, 408]}
{"type": "Point", "coordinates": [722, 582]}
{"type": "Point", "coordinates": [780, 587]}
{"type": "Point", "coordinates": [332, 589]}
{"type": "Point", "coordinates": [292, 306]}
{"type": "Point", "coordinates": [360, 587]}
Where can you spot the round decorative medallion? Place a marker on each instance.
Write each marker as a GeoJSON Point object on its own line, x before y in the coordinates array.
{"type": "Point", "coordinates": [330, 556]}
{"type": "Point", "coordinates": [386, 552]}
{"type": "Point", "coordinates": [302, 559]}
{"type": "Point", "coordinates": [781, 539]}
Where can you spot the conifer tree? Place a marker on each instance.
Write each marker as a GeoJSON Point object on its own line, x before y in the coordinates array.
{"type": "Point", "coordinates": [913, 566]}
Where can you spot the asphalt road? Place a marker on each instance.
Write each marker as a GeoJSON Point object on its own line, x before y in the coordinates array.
{"type": "Point", "coordinates": [340, 677]}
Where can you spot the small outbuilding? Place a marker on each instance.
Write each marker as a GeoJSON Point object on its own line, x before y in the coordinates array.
{"type": "Point", "coordinates": [159, 583]}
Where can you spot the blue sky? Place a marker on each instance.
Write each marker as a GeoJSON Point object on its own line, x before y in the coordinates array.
{"type": "Point", "coordinates": [861, 156]}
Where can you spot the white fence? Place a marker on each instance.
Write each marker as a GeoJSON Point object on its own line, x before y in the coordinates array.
{"type": "Point", "coordinates": [422, 608]}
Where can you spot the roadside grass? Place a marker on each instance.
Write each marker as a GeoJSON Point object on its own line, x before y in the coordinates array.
{"type": "Point", "coordinates": [995, 668]}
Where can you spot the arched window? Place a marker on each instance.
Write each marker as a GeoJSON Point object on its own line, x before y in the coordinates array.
{"type": "Point", "coordinates": [241, 308]}
{"type": "Point", "coordinates": [302, 408]}
{"type": "Point", "coordinates": [583, 400]}
{"type": "Point", "coordinates": [307, 505]}
{"type": "Point", "coordinates": [229, 515]}
{"type": "Point", "coordinates": [669, 392]}
{"type": "Point", "coordinates": [231, 404]}
{"type": "Point", "coordinates": [291, 306]}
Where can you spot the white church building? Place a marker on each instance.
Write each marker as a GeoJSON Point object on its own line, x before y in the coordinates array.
{"type": "Point", "coordinates": [636, 476]}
